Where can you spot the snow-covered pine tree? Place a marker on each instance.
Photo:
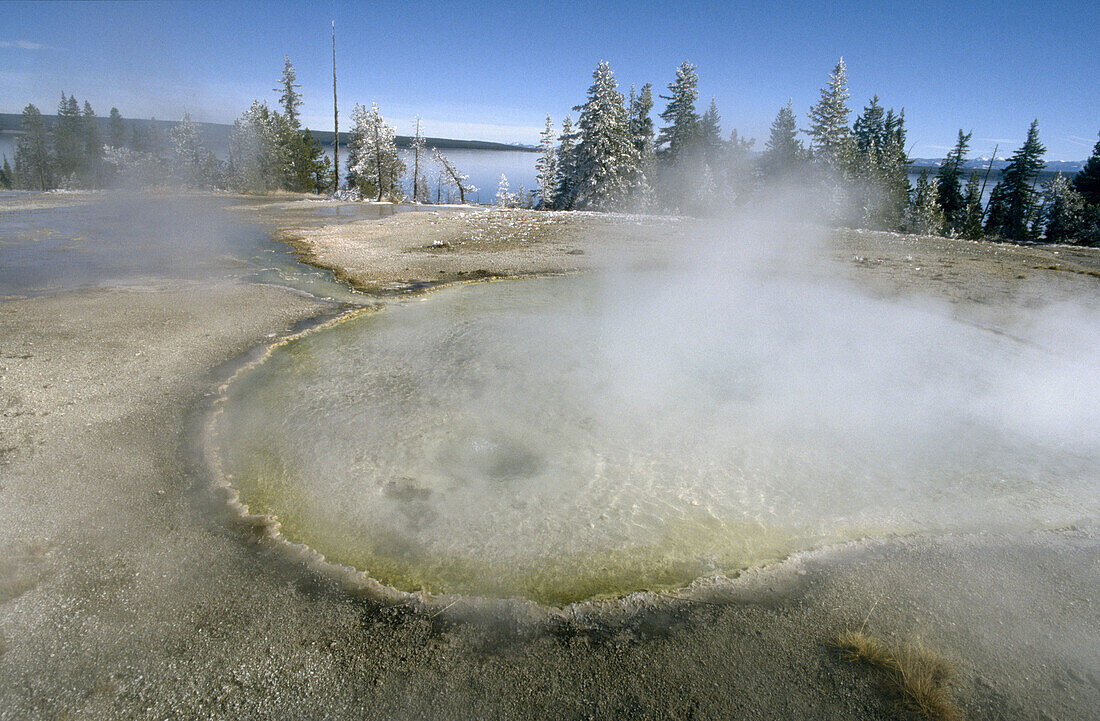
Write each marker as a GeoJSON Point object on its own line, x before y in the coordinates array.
{"type": "Point", "coordinates": [504, 198]}
{"type": "Point", "coordinates": [33, 165]}
{"type": "Point", "coordinates": [641, 124]}
{"type": "Point", "coordinates": [643, 135]}
{"type": "Point", "coordinates": [419, 153]}
{"type": "Point", "coordinates": [680, 133]}
{"type": "Point", "coordinates": [547, 166]}
{"type": "Point", "coordinates": [254, 155]}
{"type": "Point", "coordinates": [451, 178]}
{"type": "Point", "coordinates": [607, 161]}
{"type": "Point", "coordinates": [1064, 211]}
{"type": "Point", "coordinates": [378, 167]}
{"type": "Point", "coordinates": [783, 153]}
{"type": "Point", "coordinates": [950, 185]}
{"type": "Point", "coordinates": [925, 214]}
{"type": "Point", "coordinates": [289, 98]}
{"type": "Point", "coordinates": [1014, 203]}
{"type": "Point", "coordinates": [565, 193]}
{"type": "Point", "coordinates": [971, 227]}
{"type": "Point", "coordinates": [187, 160]}
{"type": "Point", "coordinates": [830, 139]}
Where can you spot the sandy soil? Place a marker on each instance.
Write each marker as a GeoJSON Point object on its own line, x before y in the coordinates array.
{"type": "Point", "coordinates": [127, 591]}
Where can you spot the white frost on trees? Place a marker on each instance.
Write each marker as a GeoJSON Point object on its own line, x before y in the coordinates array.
{"type": "Point", "coordinates": [451, 178]}
{"type": "Point", "coordinates": [378, 168]}
{"type": "Point", "coordinates": [419, 153]}
{"type": "Point", "coordinates": [547, 166]}
{"type": "Point", "coordinates": [254, 154]}
{"type": "Point", "coordinates": [607, 163]}
{"type": "Point", "coordinates": [505, 199]}
{"type": "Point", "coordinates": [831, 139]}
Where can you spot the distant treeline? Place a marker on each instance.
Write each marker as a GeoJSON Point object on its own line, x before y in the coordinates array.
{"type": "Point", "coordinates": [216, 135]}
{"type": "Point", "coordinates": [614, 158]}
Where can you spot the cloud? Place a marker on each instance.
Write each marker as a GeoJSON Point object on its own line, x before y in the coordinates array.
{"type": "Point", "coordinates": [1083, 142]}
{"type": "Point", "coordinates": [21, 45]}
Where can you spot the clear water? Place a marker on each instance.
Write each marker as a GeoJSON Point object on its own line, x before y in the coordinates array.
{"type": "Point", "coordinates": [544, 439]}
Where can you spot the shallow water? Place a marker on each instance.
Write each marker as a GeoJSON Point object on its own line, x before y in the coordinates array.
{"type": "Point", "coordinates": [541, 438]}
{"type": "Point", "coordinates": [117, 238]}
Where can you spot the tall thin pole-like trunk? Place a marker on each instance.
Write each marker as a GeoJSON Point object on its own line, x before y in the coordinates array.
{"type": "Point", "coordinates": [988, 170]}
{"type": "Point", "coordinates": [378, 160]}
{"type": "Point", "coordinates": [416, 164]}
{"type": "Point", "coordinates": [335, 120]}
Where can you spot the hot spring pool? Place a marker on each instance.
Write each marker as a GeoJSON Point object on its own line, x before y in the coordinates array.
{"type": "Point", "coordinates": [560, 439]}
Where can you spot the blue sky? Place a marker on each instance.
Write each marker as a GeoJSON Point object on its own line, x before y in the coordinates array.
{"type": "Point", "coordinates": [492, 71]}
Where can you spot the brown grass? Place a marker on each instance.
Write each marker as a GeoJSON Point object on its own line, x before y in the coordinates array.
{"type": "Point", "coordinates": [916, 676]}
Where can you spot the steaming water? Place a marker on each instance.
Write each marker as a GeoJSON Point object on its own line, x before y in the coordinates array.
{"type": "Point", "coordinates": [134, 239]}
{"type": "Point", "coordinates": [566, 438]}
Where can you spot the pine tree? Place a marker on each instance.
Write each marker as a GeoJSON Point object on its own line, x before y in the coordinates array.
{"type": "Point", "coordinates": [881, 166]}
{"type": "Point", "coordinates": [783, 153]}
{"type": "Point", "coordinates": [450, 177]}
{"type": "Point", "coordinates": [322, 168]}
{"type": "Point", "coordinates": [642, 132]}
{"type": "Point", "coordinates": [547, 166]}
{"type": "Point", "coordinates": [378, 167]}
{"type": "Point", "coordinates": [7, 177]}
{"type": "Point", "coordinates": [950, 186]}
{"type": "Point", "coordinates": [971, 227]}
{"type": "Point", "coordinates": [290, 99]}
{"type": "Point", "coordinates": [255, 157]}
{"type": "Point", "coordinates": [116, 130]}
{"type": "Point", "coordinates": [1087, 181]}
{"type": "Point", "coordinates": [734, 167]}
{"type": "Point", "coordinates": [1014, 203]}
{"type": "Point", "coordinates": [710, 133]}
{"type": "Point", "coordinates": [504, 198]}
{"type": "Point", "coordinates": [419, 153]}
{"type": "Point", "coordinates": [33, 164]}
{"type": "Point", "coordinates": [680, 133]}
{"type": "Point", "coordinates": [68, 142]}
{"type": "Point", "coordinates": [567, 166]}
{"type": "Point", "coordinates": [895, 173]}
{"type": "Point", "coordinates": [831, 141]}
{"type": "Point", "coordinates": [641, 124]}
{"type": "Point", "coordinates": [192, 164]}
{"type": "Point", "coordinates": [606, 159]}
{"type": "Point", "coordinates": [1064, 211]}
{"type": "Point", "coordinates": [925, 215]}
{"type": "Point", "coordinates": [92, 146]}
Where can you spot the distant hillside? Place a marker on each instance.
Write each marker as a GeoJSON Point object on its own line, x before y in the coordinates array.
{"type": "Point", "coordinates": [216, 135]}
{"type": "Point", "coordinates": [1053, 166]}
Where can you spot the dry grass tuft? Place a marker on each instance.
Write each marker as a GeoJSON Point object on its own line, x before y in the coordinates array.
{"type": "Point", "coordinates": [912, 673]}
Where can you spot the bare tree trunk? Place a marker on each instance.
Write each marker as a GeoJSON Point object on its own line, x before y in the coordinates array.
{"type": "Point", "coordinates": [416, 163]}
{"type": "Point", "coordinates": [335, 120]}
{"type": "Point", "coordinates": [987, 171]}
